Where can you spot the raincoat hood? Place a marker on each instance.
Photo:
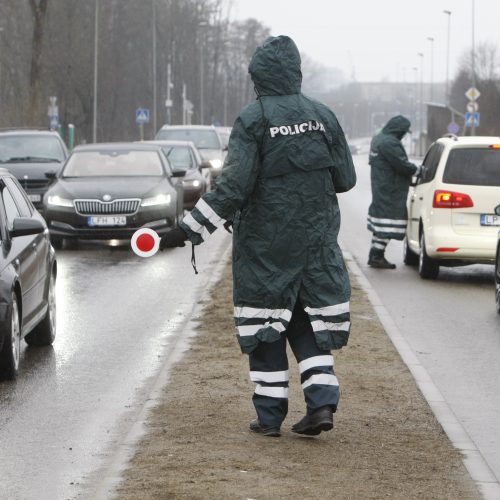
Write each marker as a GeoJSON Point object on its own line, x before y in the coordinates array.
{"type": "Point", "coordinates": [397, 126]}
{"type": "Point", "coordinates": [275, 67]}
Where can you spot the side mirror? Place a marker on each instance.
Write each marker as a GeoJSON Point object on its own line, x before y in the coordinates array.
{"type": "Point", "coordinates": [24, 227]}
{"type": "Point", "coordinates": [51, 175]}
{"type": "Point", "coordinates": [178, 173]}
{"type": "Point", "coordinates": [225, 148]}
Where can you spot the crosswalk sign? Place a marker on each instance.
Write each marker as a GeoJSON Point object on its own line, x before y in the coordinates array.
{"type": "Point", "coordinates": [472, 119]}
{"type": "Point", "coordinates": [141, 115]}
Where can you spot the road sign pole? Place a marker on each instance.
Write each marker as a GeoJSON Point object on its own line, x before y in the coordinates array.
{"type": "Point", "coordinates": [141, 131]}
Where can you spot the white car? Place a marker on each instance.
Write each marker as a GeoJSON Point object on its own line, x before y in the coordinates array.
{"type": "Point", "coordinates": [497, 271]}
{"type": "Point", "coordinates": [451, 209]}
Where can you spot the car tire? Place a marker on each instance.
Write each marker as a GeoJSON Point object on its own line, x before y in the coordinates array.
{"type": "Point", "coordinates": [410, 258]}
{"type": "Point", "coordinates": [45, 332]}
{"type": "Point", "coordinates": [10, 353]}
{"type": "Point", "coordinates": [427, 268]}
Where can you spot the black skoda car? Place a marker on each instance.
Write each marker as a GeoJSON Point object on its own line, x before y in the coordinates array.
{"type": "Point", "coordinates": [27, 276]}
{"type": "Point", "coordinates": [108, 191]}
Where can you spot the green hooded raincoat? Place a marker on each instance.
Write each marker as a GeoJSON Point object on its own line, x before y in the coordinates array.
{"type": "Point", "coordinates": [391, 174]}
{"type": "Point", "coordinates": [287, 159]}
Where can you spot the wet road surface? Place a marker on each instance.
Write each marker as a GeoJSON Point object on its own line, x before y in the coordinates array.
{"type": "Point", "coordinates": [117, 316]}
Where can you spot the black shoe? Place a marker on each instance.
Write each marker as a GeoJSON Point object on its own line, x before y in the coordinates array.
{"type": "Point", "coordinates": [313, 424]}
{"type": "Point", "coordinates": [265, 431]}
{"type": "Point", "coordinates": [379, 261]}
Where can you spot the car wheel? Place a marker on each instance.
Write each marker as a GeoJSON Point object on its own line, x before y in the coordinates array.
{"type": "Point", "coordinates": [45, 332]}
{"type": "Point", "coordinates": [427, 268]}
{"type": "Point", "coordinates": [9, 355]}
{"type": "Point", "coordinates": [410, 258]}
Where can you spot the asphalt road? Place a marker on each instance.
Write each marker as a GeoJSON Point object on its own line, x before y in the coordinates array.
{"type": "Point", "coordinates": [451, 323]}
{"type": "Point", "coordinates": [118, 316]}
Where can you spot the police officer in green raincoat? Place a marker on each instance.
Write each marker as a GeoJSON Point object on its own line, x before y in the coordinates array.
{"type": "Point", "coordinates": [287, 160]}
{"type": "Point", "coordinates": [391, 174]}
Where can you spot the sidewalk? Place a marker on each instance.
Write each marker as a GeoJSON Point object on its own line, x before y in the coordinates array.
{"type": "Point", "coordinates": [386, 442]}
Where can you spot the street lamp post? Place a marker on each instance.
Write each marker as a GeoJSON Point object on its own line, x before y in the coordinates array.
{"type": "Point", "coordinates": [96, 33]}
{"type": "Point", "coordinates": [448, 13]}
{"type": "Point", "coordinates": [431, 39]}
{"type": "Point", "coordinates": [154, 67]}
{"type": "Point", "coordinates": [473, 57]}
{"type": "Point", "coordinates": [1, 103]}
{"type": "Point", "coordinates": [202, 24]}
{"type": "Point", "coordinates": [421, 130]}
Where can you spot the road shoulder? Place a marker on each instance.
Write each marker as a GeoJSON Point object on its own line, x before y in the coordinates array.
{"type": "Point", "coordinates": [386, 442]}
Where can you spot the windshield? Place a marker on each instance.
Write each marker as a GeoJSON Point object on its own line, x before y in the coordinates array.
{"type": "Point", "coordinates": [473, 166]}
{"type": "Point", "coordinates": [203, 139]}
{"type": "Point", "coordinates": [113, 164]}
{"type": "Point", "coordinates": [30, 148]}
{"type": "Point", "coordinates": [179, 157]}
{"type": "Point", "coordinates": [224, 137]}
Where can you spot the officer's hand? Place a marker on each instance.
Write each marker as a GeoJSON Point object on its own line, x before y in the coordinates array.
{"type": "Point", "coordinates": [174, 238]}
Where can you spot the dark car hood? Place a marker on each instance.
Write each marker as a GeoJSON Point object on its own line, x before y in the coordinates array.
{"type": "Point", "coordinates": [93, 188]}
{"type": "Point", "coordinates": [31, 170]}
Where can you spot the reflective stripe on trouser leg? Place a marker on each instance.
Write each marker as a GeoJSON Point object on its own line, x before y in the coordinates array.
{"type": "Point", "coordinates": [379, 243]}
{"type": "Point", "coordinates": [320, 385]}
{"type": "Point", "coordinates": [269, 370]}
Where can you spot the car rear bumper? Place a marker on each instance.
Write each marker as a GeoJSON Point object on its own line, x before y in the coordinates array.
{"type": "Point", "coordinates": [473, 248]}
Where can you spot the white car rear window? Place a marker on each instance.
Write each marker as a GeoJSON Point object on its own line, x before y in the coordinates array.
{"type": "Point", "coordinates": [473, 166]}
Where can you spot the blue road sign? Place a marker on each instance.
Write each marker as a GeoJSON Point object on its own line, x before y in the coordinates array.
{"type": "Point", "coordinates": [472, 119]}
{"type": "Point", "coordinates": [141, 115]}
{"type": "Point", "coordinates": [453, 128]}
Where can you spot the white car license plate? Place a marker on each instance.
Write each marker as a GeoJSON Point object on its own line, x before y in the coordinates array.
{"type": "Point", "coordinates": [34, 198]}
{"type": "Point", "coordinates": [490, 220]}
{"type": "Point", "coordinates": [108, 220]}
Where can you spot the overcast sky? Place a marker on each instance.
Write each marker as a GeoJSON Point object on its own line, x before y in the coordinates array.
{"type": "Point", "coordinates": [379, 39]}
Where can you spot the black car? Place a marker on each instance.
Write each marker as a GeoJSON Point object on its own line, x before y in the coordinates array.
{"type": "Point", "coordinates": [184, 156]}
{"type": "Point", "coordinates": [29, 155]}
{"type": "Point", "coordinates": [108, 191]}
{"type": "Point", "coordinates": [205, 138]}
{"type": "Point", "coordinates": [27, 276]}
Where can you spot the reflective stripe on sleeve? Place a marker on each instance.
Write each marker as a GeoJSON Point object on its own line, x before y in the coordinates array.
{"type": "Point", "coordinates": [195, 226]}
{"type": "Point", "coordinates": [208, 212]}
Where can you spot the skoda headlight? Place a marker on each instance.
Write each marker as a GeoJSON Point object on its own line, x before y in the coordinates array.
{"type": "Point", "coordinates": [59, 202]}
{"type": "Point", "coordinates": [160, 199]}
{"type": "Point", "coordinates": [216, 164]}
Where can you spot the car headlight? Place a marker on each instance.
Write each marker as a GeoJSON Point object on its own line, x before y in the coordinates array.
{"type": "Point", "coordinates": [194, 183]}
{"type": "Point", "coordinates": [160, 199]}
{"type": "Point", "coordinates": [216, 164]}
{"type": "Point", "coordinates": [59, 202]}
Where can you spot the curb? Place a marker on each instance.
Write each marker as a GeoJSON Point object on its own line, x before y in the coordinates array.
{"type": "Point", "coordinates": [474, 462]}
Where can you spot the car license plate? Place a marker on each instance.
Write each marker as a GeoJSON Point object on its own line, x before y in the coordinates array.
{"type": "Point", "coordinates": [35, 198]}
{"type": "Point", "coordinates": [109, 220]}
{"type": "Point", "coordinates": [490, 220]}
